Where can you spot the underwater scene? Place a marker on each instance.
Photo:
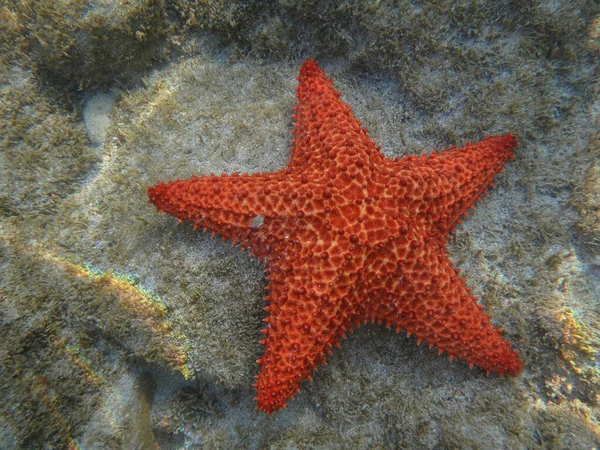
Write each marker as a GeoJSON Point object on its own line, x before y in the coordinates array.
{"type": "Point", "coordinates": [300, 225]}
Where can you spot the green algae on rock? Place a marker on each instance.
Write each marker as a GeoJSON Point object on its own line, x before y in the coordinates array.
{"type": "Point", "coordinates": [420, 76]}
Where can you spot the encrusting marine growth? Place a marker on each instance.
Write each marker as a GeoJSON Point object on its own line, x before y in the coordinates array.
{"type": "Point", "coordinates": [348, 236]}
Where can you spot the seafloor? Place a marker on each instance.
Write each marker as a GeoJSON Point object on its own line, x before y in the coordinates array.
{"type": "Point", "coordinates": [120, 328]}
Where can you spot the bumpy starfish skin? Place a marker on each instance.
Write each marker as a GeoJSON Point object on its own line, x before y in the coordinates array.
{"type": "Point", "coordinates": [348, 236]}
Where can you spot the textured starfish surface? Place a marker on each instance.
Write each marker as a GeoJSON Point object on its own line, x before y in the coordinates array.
{"type": "Point", "coordinates": [348, 236]}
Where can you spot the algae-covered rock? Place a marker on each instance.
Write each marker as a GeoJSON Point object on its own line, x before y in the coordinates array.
{"type": "Point", "coordinates": [83, 44]}
{"type": "Point", "coordinates": [81, 331]}
{"type": "Point", "coordinates": [588, 198]}
{"type": "Point", "coordinates": [44, 150]}
{"type": "Point", "coordinates": [120, 328]}
{"type": "Point", "coordinates": [44, 153]}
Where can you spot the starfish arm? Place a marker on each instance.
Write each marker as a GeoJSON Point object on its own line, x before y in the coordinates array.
{"type": "Point", "coordinates": [228, 202]}
{"type": "Point", "coordinates": [426, 297]}
{"type": "Point", "coordinates": [450, 181]}
{"type": "Point", "coordinates": [306, 319]}
{"type": "Point", "coordinates": [325, 127]}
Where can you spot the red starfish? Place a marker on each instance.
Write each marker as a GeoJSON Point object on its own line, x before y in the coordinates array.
{"type": "Point", "coordinates": [349, 236]}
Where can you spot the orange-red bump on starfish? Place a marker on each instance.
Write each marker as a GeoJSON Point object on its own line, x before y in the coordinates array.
{"type": "Point", "coordinates": [349, 236]}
